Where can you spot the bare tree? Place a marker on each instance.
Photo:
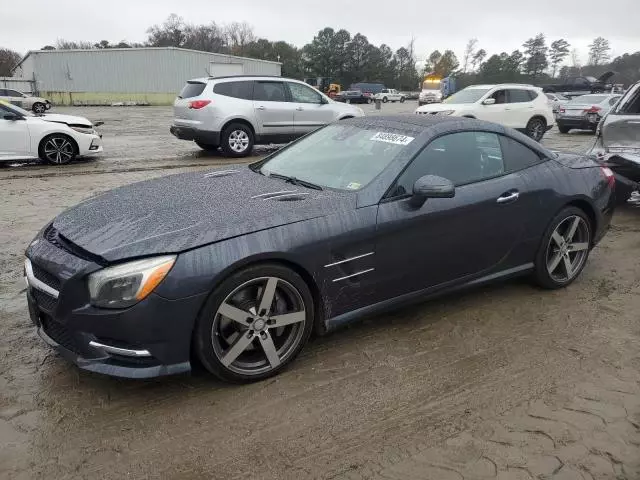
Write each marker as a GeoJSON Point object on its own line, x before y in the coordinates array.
{"type": "Point", "coordinates": [469, 52]}
{"type": "Point", "coordinates": [169, 34]}
{"type": "Point", "coordinates": [62, 44]}
{"type": "Point", "coordinates": [206, 38]}
{"type": "Point", "coordinates": [599, 51]}
{"type": "Point", "coordinates": [8, 60]}
{"type": "Point", "coordinates": [239, 35]}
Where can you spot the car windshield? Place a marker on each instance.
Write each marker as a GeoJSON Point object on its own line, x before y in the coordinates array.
{"type": "Point", "coordinates": [468, 95]}
{"type": "Point", "coordinates": [589, 99]}
{"type": "Point", "coordinates": [17, 109]}
{"type": "Point", "coordinates": [339, 156]}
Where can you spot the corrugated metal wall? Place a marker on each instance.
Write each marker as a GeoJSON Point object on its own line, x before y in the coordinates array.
{"type": "Point", "coordinates": [22, 85]}
{"type": "Point", "coordinates": [148, 70]}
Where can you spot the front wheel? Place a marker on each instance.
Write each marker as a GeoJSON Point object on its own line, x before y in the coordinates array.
{"type": "Point", "coordinates": [402, 99]}
{"type": "Point", "coordinates": [254, 323]}
{"type": "Point", "coordinates": [57, 149]}
{"type": "Point", "coordinates": [563, 129]}
{"type": "Point", "coordinates": [564, 249]}
{"type": "Point", "coordinates": [39, 107]}
{"type": "Point", "coordinates": [536, 128]}
{"type": "Point", "coordinates": [237, 140]}
{"type": "Point", "coordinates": [385, 99]}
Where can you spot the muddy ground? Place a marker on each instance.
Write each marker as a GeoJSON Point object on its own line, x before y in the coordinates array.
{"type": "Point", "coordinates": [505, 382]}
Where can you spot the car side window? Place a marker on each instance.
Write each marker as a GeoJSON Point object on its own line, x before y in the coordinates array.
{"type": "Point", "coordinates": [630, 103]}
{"type": "Point", "coordinates": [462, 158]}
{"type": "Point", "coordinates": [242, 89]}
{"type": "Point", "coordinates": [270, 92]}
{"type": "Point", "coordinates": [302, 94]}
{"type": "Point", "coordinates": [518, 156]}
{"type": "Point", "coordinates": [3, 92]}
{"type": "Point", "coordinates": [13, 93]}
{"type": "Point", "coordinates": [518, 95]}
{"type": "Point", "coordinates": [500, 96]}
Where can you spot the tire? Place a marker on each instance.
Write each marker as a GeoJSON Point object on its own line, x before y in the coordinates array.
{"type": "Point", "coordinates": [57, 149]}
{"type": "Point", "coordinates": [348, 101]}
{"type": "Point", "coordinates": [237, 140]}
{"type": "Point", "coordinates": [207, 147]}
{"type": "Point", "coordinates": [39, 107]}
{"type": "Point", "coordinates": [217, 334]}
{"type": "Point", "coordinates": [551, 262]}
{"type": "Point", "coordinates": [402, 99]}
{"type": "Point", "coordinates": [536, 127]}
{"type": "Point", "coordinates": [385, 99]}
{"type": "Point", "coordinates": [563, 129]}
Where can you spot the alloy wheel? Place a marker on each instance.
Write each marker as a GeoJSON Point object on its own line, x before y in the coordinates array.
{"type": "Point", "coordinates": [536, 129]}
{"type": "Point", "coordinates": [59, 150]}
{"type": "Point", "coordinates": [258, 326]}
{"type": "Point", "coordinates": [238, 141]}
{"type": "Point", "coordinates": [39, 108]}
{"type": "Point", "coordinates": [568, 249]}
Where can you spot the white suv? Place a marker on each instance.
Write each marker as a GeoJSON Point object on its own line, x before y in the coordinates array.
{"type": "Point", "coordinates": [523, 107]}
{"type": "Point", "coordinates": [235, 113]}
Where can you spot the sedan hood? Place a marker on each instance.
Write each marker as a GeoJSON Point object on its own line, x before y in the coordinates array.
{"type": "Point", "coordinates": [180, 212]}
{"type": "Point", "coordinates": [441, 107]}
{"type": "Point", "coordinates": [68, 119]}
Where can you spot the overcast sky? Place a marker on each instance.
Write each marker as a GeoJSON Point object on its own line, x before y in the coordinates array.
{"type": "Point", "coordinates": [499, 25]}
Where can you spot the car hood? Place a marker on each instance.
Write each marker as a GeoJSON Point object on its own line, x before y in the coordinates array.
{"type": "Point", "coordinates": [67, 119]}
{"type": "Point", "coordinates": [180, 212]}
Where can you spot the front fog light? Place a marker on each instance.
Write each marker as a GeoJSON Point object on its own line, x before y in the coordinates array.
{"type": "Point", "coordinates": [125, 285]}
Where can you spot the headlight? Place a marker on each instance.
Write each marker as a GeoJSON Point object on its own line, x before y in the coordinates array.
{"type": "Point", "coordinates": [446, 112]}
{"type": "Point", "coordinates": [87, 130]}
{"type": "Point", "coordinates": [125, 285]}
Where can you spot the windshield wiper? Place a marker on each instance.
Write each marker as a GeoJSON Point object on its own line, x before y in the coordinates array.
{"type": "Point", "coordinates": [296, 181]}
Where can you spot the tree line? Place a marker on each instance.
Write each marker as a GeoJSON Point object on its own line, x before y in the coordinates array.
{"type": "Point", "coordinates": [347, 58]}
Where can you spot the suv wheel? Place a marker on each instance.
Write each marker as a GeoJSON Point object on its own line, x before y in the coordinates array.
{"type": "Point", "coordinates": [39, 107]}
{"type": "Point", "coordinates": [385, 99]}
{"type": "Point", "coordinates": [536, 128]}
{"type": "Point", "coordinates": [237, 140]}
{"type": "Point", "coordinates": [402, 99]}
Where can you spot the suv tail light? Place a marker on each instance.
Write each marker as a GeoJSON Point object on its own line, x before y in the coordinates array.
{"type": "Point", "coordinates": [593, 109]}
{"type": "Point", "coordinates": [198, 104]}
{"type": "Point", "coordinates": [561, 110]}
{"type": "Point", "coordinates": [608, 174]}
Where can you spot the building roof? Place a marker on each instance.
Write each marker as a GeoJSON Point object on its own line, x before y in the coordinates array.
{"type": "Point", "coordinates": [140, 48]}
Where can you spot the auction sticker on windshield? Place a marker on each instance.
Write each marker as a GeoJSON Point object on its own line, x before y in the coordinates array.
{"type": "Point", "coordinates": [392, 138]}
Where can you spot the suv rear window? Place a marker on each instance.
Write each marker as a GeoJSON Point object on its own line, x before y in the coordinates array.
{"type": "Point", "coordinates": [192, 89]}
{"type": "Point", "coordinates": [243, 89]}
{"type": "Point", "coordinates": [517, 95]}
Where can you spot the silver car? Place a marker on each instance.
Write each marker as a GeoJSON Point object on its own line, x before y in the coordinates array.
{"type": "Point", "coordinates": [25, 101]}
{"type": "Point", "coordinates": [617, 142]}
{"type": "Point", "coordinates": [235, 113]}
{"type": "Point", "coordinates": [556, 101]}
{"type": "Point", "coordinates": [585, 111]}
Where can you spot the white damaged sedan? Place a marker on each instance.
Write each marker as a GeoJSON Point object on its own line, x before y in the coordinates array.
{"type": "Point", "coordinates": [56, 139]}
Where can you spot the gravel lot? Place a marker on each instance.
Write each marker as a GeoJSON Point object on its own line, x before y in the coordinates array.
{"type": "Point", "coordinates": [504, 382]}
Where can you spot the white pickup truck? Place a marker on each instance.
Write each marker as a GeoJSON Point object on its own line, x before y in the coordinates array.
{"type": "Point", "coordinates": [390, 95]}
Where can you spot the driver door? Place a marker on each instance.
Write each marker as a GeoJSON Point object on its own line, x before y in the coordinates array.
{"type": "Point", "coordinates": [310, 112]}
{"type": "Point", "coordinates": [449, 239]}
{"type": "Point", "coordinates": [14, 136]}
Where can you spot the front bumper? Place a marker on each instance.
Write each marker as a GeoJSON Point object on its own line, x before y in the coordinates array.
{"type": "Point", "coordinates": [189, 133]}
{"type": "Point", "coordinates": [150, 339]}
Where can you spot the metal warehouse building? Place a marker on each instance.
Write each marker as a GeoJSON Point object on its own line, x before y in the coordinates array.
{"type": "Point", "coordinates": [151, 75]}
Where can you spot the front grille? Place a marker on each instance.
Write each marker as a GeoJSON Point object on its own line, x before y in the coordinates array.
{"type": "Point", "coordinates": [44, 300]}
{"type": "Point", "coordinates": [59, 333]}
{"type": "Point", "coordinates": [45, 277]}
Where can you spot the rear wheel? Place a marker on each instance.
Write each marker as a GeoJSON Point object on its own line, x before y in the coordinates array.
{"type": "Point", "coordinates": [564, 249]}
{"type": "Point", "coordinates": [207, 147]}
{"type": "Point", "coordinates": [254, 323]}
{"type": "Point", "coordinates": [39, 107]}
{"type": "Point", "coordinates": [237, 140]}
{"type": "Point", "coordinates": [385, 99]}
{"type": "Point", "coordinates": [57, 149]}
{"type": "Point", "coordinates": [536, 128]}
{"type": "Point", "coordinates": [563, 129]}
{"type": "Point", "coordinates": [402, 99]}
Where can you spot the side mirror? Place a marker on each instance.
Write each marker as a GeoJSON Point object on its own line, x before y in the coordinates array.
{"type": "Point", "coordinates": [489, 101]}
{"type": "Point", "coordinates": [431, 186]}
{"type": "Point", "coordinates": [13, 117]}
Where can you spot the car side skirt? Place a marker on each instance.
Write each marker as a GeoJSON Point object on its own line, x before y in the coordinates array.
{"type": "Point", "coordinates": [425, 294]}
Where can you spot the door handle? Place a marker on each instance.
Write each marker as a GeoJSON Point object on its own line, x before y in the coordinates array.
{"type": "Point", "coordinates": [261, 107]}
{"type": "Point", "coordinates": [300, 109]}
{"type": "Point", "coordinates": [508, 197]}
